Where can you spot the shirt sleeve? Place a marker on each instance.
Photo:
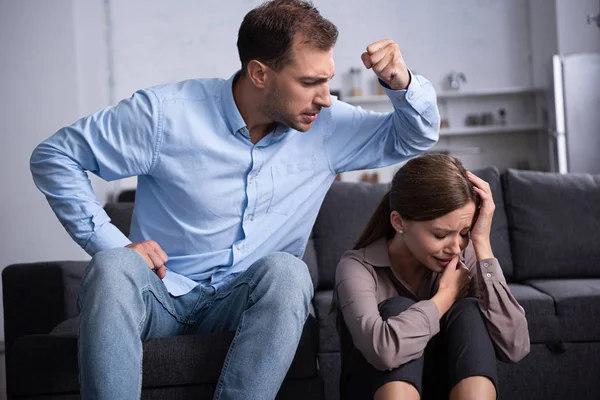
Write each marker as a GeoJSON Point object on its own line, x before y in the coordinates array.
{"type": "Point", "coordinates": [114, 143]}
{"type": "Point", "coordinates": [360, 139]}
{"type": "Point", "coordinates": [505, 318]}
{"type": "Point", "coordinates": [384, 344]}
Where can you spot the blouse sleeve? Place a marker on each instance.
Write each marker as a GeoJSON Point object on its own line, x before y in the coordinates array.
{"type": "Point", "coordinates": [384, 344]}
{"type": "Point", "coordinates": [505, 318]}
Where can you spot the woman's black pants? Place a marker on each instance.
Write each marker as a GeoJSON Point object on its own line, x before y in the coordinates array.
{"type": "Point", "coordinates": [461, 349]}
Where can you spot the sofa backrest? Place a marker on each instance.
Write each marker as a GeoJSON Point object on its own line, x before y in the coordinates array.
{"type": "Point", "coordinates": [499, 235]}
{"type": "Point", "coordinates": [554, 223]}
{"type": "Point", "coordinates": [342, 217]}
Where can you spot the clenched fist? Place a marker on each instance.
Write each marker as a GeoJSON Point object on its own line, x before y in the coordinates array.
{"type": "Point", "coordinates": [153, 254]}
{"type": "Point", "coordinates": [386, 61]}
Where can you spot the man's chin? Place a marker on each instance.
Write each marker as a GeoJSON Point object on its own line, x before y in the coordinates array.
{"type": "Point", "coordinates": [301, 127]}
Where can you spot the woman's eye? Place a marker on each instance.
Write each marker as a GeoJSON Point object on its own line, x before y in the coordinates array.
{"type": "Point", "coordinates": [440, 237]}
{"type": "Point", "coordinates": [465, 234]}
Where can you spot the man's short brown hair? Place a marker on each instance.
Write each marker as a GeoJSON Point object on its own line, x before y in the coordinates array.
{"type": "Point", "coordinates": [268, 31]}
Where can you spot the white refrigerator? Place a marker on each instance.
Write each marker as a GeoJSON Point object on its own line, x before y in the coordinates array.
{"type": "Point", "coordinates": [576, 97]}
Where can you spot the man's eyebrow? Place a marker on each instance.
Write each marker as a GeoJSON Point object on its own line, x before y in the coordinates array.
{"type": "Point", "coordinates": [316, 78]}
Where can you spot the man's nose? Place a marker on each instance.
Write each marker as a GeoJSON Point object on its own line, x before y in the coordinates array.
{"type": "Point", "coordinates": [323, 98]}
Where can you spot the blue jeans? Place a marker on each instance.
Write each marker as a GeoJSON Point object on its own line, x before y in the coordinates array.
{"type": "Point", "coordinates": [123, 303]}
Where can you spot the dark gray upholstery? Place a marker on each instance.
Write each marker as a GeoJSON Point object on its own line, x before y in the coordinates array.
{"type": "Point", "coordinates": [541, 314]}
{"type": "Point", "coordinates": [343, 215]}
{"type": "Point", "coordinates": [577, 303]}
{"type": "Point", "coordinates": [554, 224]}
{"type": "Point", "coordinates": [544, 233]}
{"type": "Point", "coordinates": [328, 335]}
{"type": "Point", "coordinates": [193, 360]}
{"type": "Point", "coordinates": [499, 234]}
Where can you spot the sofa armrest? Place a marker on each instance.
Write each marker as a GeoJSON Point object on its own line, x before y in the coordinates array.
{"type": "Point", "coordinates": [37, 296]}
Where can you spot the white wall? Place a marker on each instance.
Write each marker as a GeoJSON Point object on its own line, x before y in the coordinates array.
{"type": "Point", "coordinates": [49, 77]}
{"type": "Point", "coordinates": [575, 35]}
{"type": "Point", "coordinates": [488, 40]}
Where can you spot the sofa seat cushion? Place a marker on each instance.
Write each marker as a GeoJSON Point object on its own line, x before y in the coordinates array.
{"type": "Point", "coordinates": [539, 311]}
{"type": "Point", "coordinates": [554, 224]}
{"type": "Point", "coordinates": [329, 340]}
{"type": "Point", "coordinates": [46, 364]}
{"type": "Point", "coordinates": [577, 307]}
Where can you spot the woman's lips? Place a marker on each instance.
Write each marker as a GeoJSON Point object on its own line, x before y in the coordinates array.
{"type": "Point", "coordinates": [443, 261]}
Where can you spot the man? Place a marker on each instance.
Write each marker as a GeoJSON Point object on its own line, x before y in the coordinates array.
{"type": "Point", "coordinates": [231, 174]}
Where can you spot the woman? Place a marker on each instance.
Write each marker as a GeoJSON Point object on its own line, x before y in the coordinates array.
{"type": "Point", "coordinates": [423, 306]}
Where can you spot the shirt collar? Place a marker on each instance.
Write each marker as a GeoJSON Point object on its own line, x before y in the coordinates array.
{"type": "Point", "coordinates": [377, 254]}
{"type": "Point", "coordinates": [232, 115]}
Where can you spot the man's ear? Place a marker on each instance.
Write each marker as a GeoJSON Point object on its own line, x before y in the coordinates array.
{"type": "Point", "coordinates": [397, 222]}
{"type": "Point", "coordinates": [257, 72]}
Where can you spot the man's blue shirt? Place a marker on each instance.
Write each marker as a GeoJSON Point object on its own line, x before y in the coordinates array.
{"type": "Point", "coordinates": [215, 202]}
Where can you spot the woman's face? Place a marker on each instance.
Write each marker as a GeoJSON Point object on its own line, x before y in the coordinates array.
{"type": "Point", "coordinates": [434, 243]}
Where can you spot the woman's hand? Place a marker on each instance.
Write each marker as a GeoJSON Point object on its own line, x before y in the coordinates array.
{"type": "Point", "coordinates": [453, 285]}
{"type": "Point", "coordinates": [480, 232]}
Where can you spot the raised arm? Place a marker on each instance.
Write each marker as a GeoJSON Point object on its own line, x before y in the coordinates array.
{"type": "Point", "coordinates": [117, 142]}
{"type": "Point", "coordinates": [360, 139]}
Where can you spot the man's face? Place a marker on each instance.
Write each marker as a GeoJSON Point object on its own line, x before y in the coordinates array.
{"type": "Point", "coordinates": [296, 94]}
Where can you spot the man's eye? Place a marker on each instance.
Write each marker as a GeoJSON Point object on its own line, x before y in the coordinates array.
{"type": "Point", "coordinates": [307, 84]}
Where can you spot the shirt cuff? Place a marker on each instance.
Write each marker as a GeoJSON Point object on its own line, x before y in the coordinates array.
{"type": "Point", "coordinates": [419, 96]}
{"type": "Point", "coordinates": [490, 270]}
{"type": "Point", "coordinates": [106, 237]}
{"type": "Point", "coordinates": [432, 313]}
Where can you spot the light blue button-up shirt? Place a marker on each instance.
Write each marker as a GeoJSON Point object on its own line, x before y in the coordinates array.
{"type": "Point", "coordinates": [215, 202]}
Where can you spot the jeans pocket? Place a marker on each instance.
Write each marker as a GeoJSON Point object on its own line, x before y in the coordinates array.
{"type": "Point", "coordinates": [291, 185]}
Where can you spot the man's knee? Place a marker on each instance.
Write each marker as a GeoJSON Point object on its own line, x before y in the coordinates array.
{"type": "Point", "coordinates": [288, 275]}
{"type": "Point", "coordinates": [114, 268]}
{"type": "Point", "coordinates": [394, 306]}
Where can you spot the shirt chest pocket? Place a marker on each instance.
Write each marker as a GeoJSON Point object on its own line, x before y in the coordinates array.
{"type": "Point", "coordinates": [291, 185]}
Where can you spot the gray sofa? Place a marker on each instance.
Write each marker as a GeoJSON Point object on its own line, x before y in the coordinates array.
{"type": "Point", "coordinates": [546, 234]}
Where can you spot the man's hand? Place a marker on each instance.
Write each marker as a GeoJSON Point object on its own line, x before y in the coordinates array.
{"type": "Point", "coordinates": [386, 61]}
{"type": "Point", "coordinates": [153, 254]}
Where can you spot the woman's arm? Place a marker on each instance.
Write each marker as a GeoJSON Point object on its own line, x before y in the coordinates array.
{"type": "Point", "coordinates": [384, 344]}
{"type": "Point", "coordinates": [506, 320]}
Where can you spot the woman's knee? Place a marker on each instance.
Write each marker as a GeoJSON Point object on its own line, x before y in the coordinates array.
{"type": "Point", "coordinates": [465, 309]}
{"type": "Point", "coordinates": [394, 306]}
{"type": "Point", "coordinates": [397, 390]}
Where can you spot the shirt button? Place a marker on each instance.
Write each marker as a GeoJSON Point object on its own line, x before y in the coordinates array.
{"type": "Point", "coordinates": [486, 264]}
{"type": "Point", "coordinates": [247, 217]}
{"type": "Point", "coordinates": [411, 95]}
{"type": "Point", "coordinates": [238, 247]}
{"type": "Point", "coordinates": [251, 179]}
{"type": "Point", "coordinates": [488, 275]}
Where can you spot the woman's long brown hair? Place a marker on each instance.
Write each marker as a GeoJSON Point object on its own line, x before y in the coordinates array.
{"type": "Point", "coordinates": [425, 188]}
